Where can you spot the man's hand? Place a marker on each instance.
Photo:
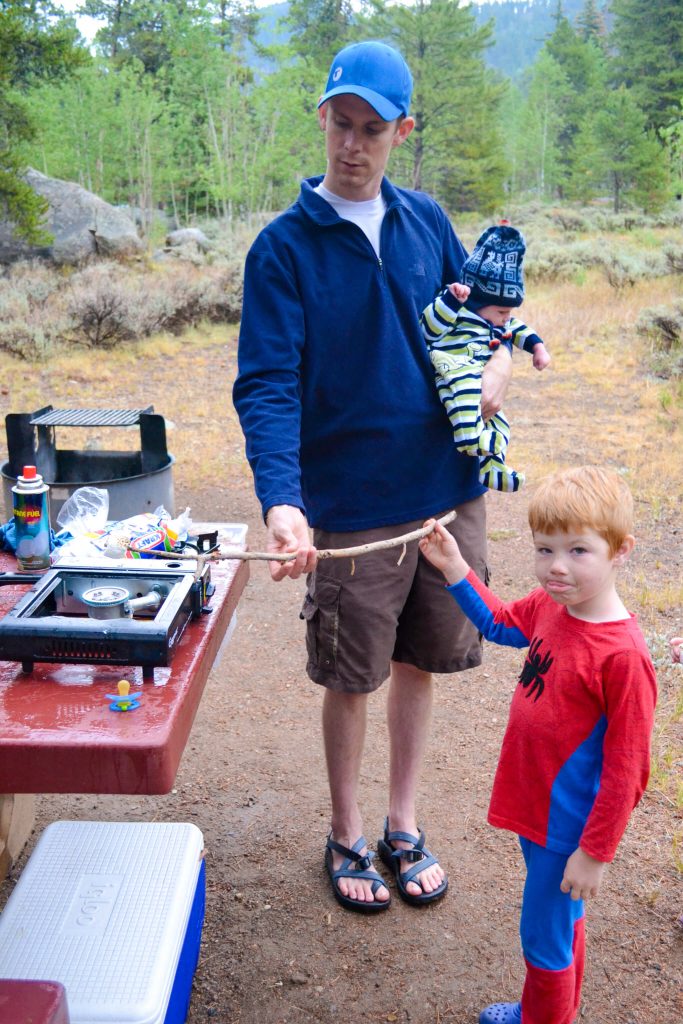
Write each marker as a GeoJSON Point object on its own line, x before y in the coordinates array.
{"type": "Point", "coordinates": [288, 532]}
{"type": "Point", "coordinates": [582, 875]}
{"type": "Point", "coordinates": [494, 382]}
{"type": "Point", "coordinates": [441, 549]}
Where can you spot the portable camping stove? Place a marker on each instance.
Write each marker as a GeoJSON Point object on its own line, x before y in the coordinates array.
{"type": "Point", "coordinates": [99, 615]}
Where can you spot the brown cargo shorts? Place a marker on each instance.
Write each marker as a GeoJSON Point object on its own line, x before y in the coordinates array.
{"type": "Point", "coordinates": [358, 622]}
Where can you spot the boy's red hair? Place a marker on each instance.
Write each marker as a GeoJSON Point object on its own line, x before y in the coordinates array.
{"type": "Point", "coordinates": [585, 496]}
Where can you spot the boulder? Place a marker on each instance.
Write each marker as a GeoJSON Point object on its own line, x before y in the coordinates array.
{"type": "Point", "coordinates": [82, 225]}
{"type": "Point", "coordinates": [192, 237]}
{"type": "Point", "coordinates": [150, 218]}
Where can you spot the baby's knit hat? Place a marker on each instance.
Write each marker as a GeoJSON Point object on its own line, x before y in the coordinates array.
{"type": "Point", "coordinates": [494, 269]}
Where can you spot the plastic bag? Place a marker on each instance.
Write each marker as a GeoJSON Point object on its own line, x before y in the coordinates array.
{"type": "Point", "coordinates": [85, 511]}
{"type": "Point", "coordinates": [82, 518]}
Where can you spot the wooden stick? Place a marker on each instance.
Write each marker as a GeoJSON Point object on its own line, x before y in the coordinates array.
{"type": "Point", "coordinates": [354, 552]}
{"type": "Point", "coordinates": [379, 545]}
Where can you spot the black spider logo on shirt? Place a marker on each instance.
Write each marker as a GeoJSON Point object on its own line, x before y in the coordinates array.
{"type": "Point", "coordinates": [535, 667]}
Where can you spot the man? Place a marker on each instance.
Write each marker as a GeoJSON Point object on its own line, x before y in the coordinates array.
{"type": "Point", "coordinates": [345, 433]}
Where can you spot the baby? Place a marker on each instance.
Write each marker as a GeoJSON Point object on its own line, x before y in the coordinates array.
{"type": "Point", "coordinates": [462, 327]}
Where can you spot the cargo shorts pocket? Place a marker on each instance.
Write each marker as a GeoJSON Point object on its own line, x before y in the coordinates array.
{"type": "Point", "coordinates": [321, 612]}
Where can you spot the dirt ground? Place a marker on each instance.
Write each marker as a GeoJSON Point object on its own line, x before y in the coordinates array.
{"type": "Point", "coordinates": [277, 948]}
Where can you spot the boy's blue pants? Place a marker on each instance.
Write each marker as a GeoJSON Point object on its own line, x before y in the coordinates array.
{"type": "Point", "coordinates": [552, 933]}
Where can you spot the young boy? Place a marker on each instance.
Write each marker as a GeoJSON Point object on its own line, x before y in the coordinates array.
{"type": "Point", "coordinates": [463, 326]}
{"type": "Point", "coordinates": [576, 753]}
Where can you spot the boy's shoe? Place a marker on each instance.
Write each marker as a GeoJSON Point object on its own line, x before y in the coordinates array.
{"type": "Point", "coordinates": [501, 1013]}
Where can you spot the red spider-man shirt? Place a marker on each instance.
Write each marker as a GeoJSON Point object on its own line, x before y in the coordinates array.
{"type": "Point", "coordinates": [575, 758]}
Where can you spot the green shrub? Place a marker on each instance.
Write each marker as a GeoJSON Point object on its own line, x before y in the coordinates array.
{"type": "Point", "coordinates": [97, 305]}
{"type": "Point", "coordinates": [109, 304]}
{"type": "Point", "coordinates": [663, 328]}
{"type": "Point", "coordinates": [553, 261]}
{"type": "Point", "coordinates": [623, 269]}
{"type": "Point", "coordinates": [31, 309]}
{"type": "Point", "coordinates": [571, 221]}
{"type": "Point", "coordinates": [673, 254]}
{"type": "Point", "coordinates": [26, 338]}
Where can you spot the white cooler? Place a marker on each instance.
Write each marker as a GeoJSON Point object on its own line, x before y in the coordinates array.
{"type": "Point", "coordinates": [113, 911]}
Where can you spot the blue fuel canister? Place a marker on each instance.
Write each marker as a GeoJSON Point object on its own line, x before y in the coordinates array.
{"type": "Point", "coordinates": [32, 521]}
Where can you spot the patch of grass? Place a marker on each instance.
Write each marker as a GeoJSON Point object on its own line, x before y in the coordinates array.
{"type": "Point", "coordinates": [497, 535]}
{"type": "Point", "coordinates": [661, 597]}
{"type": "Point", "coordinates": [648, 238]}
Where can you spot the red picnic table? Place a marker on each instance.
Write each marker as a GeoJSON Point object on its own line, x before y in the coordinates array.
{"type": "Point", "coordinates": [57, 732]}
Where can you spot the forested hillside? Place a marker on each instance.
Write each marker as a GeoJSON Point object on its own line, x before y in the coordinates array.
{"type": "Point", "coordinates": [520, 29]}
{"type": "Point", "coordinates": [546, 100]}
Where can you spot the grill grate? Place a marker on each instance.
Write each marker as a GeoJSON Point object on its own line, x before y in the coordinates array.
{"type": "Point", "coordinates": [90, 417]}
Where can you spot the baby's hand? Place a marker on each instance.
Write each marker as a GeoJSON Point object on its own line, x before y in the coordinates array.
{"type": "Point", "coordinates": [676, 645]}
{"type": "Point", "coordinates": [582, 875]}
{"type": "Point", "coordinates": [441, 549]}
{"type": "Point", "coordinates": [541, 356]}
{"type": "Point", "coordinates": [460, 291]}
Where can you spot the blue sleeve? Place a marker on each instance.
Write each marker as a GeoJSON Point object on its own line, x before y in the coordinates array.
{"type": "Point", "coordinates": [454, 252]}
{"type": "Point", "coordinates": [266, 393]}
{"type": "Point", "coordinates": [524, 337]}
{"type": "Point", "coordinates": [478, 612]}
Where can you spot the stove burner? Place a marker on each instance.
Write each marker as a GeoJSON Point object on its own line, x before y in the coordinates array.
{"type": "Point", "coordinates": [116, 603]}
{"type": "Point", "coordinates": [105, 595]}
{"type": "Point", "coordinates": [135, 616]}
{"type": "Point", "coordinates": [106, 602]}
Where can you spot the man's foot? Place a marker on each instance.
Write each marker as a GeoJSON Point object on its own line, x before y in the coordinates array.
{"type": "Point", "coordinates": [501, 1013]}
{"type": "Point", "coordinates": [419, 877]}
{"type": "Point", "coordinates": [355, 883]}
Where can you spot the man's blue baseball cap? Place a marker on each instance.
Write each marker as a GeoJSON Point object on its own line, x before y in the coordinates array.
{"type": "Point", "coordinates": [375, 72]}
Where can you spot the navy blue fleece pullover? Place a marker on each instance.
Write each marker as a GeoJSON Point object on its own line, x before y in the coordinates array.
{"type": "Point", "coordinates": [335, 390]}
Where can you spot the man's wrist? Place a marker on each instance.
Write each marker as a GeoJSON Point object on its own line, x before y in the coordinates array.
{"type": "Point", "coordinates": [283, 504]}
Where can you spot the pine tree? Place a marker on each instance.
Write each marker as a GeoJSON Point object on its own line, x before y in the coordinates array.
{"type": "Point", "coordinates": [586, 71]}
{"type": "Point", "coordinates": [151, 31]}
{"type": "Point", "coordinates": [672, 137]}
{"type": "Point", "coordinates": [320, 28]}
{"type": "Point", "coordinates": [591, 24]}
{"type": "Point", "coordinates": [456, 150]}
{"type": "Point", "coordinates": [559, 15]}
{"type": "Point", "coordinates": [132, 29]}
{"type": "Point", "coordinates": [648, 38]}
{"type": "Point", "coordinates": [538, 127]}
{"type": "Point", "coordinates": [618, 153]}
{"type": "Point", "coordinates": [34, 46]}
